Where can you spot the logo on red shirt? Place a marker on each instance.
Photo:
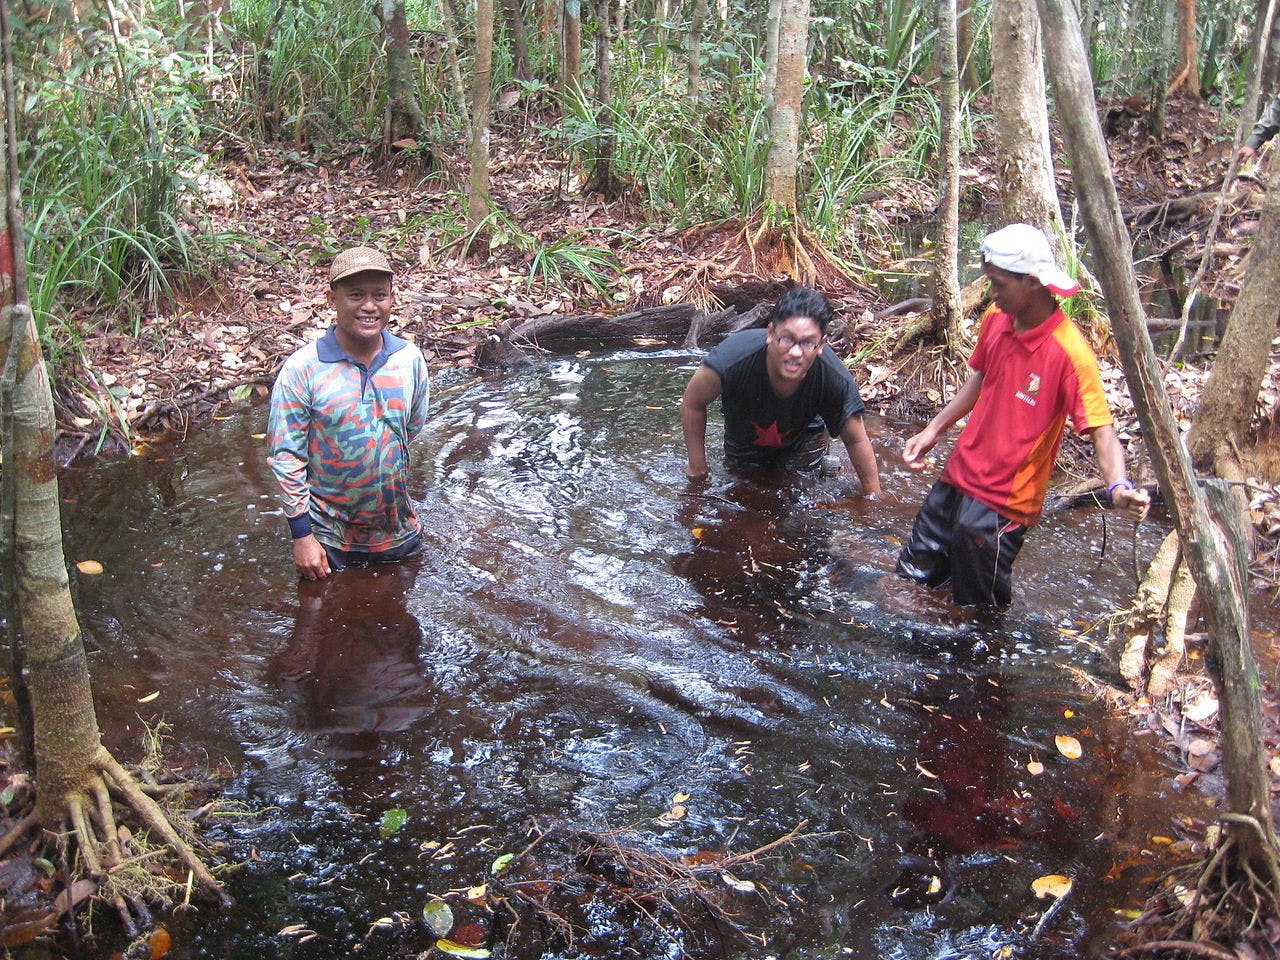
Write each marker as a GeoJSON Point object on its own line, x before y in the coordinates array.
{"type": "Point", "coordinates": [1030, 388]}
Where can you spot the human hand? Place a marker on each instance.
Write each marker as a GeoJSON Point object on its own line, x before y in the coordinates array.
{"type": "Point", "coordinates": [1134, 504]}
{"type": "Point", "coordinates": [1246, 153]}
{"type": "Point", "coordinates": [914, 450]}
{"type": "Point", "coordinates": [310, 558]}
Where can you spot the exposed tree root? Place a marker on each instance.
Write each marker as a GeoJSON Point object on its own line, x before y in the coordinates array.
{"type": "Point", "coordinates": [770, 248]}
{"type": "Point", "coordinates": [1217, 908]}
{"type": "Point", "coordinates": [126, 868]}
{"type": "Point", "coordinates": [1156, 630]}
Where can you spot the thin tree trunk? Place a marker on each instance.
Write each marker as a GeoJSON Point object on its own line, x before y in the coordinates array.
{"type": "Point", "coordinates": [1210, 534]}
{"type": "Point", "coordinates": [771, 57]}
{"type": "Point", "coordinates": [455, 69]}
{"type": "Point", "coordinates": [1271, 58]}
{"type": "Point", "coordinates": [965, 34]}
{"type": "Point", "coordinates": [571, 48]}
{"type": "Point", "coordinates": [1187, 73]}
{"type": "Point", "coordinates": [947, 315]}
{"type": "Point", "coordinates": [603, 180]}
{"type": "Point", "coordinates": [695, 54]}
{"type": "Point", "coordinates": [1019, 105]}
{"type": "Point", "coordinates": [522, 68]}
{"type": "Point", "coordinates": [784, 150]}
{"type": "Point", "coordinates": [478, 202]}
{"type": "Point", "coordinates": [403, 114]}
{"type": "Point", "coordinates": [1228, 399]}
{"type": "Point", "coordinates": [54, 669]}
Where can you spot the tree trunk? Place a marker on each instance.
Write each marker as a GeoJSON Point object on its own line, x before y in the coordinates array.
{"type": "Point", "coordinates": [603, 180]}
{"type": "Point", "coordinates": [947, 316]}
{"type": "Point", "coordinates": [1019, 106]}
{"type": "Point", "coordinates": [965, 35]}
{"type": "Point", "coordinates": [571, 49]}
{"type": "Point", "coordinates": [455, 69]}
{"type": "Point", "coordinates": [1186, 74]}
{"type": "Point", "coordinates": [695, 54]}
{"type": "Point", "coordinates": [1271, 54]}
{"type": "Point", "coordinates": [522, 69]}
{"type": "Point", "coordinates": [771, 57]}
{"type": "Point", "coordinates": [1228, 399]}
{"type": "Point", "coordinates": [784, 150]}
{"type": "Point", "coordinates": [1210, 532]}
{"type": "Point", "coordinates": [478, 202]}
{"type": "Point", "coordinates": [403, 114]}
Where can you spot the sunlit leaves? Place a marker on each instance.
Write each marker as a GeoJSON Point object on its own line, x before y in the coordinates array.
{"type": "Point", "coordinates": [501, 863]}
{"type": "Point", "coordinates": [1052, 885]}
{"type": "Point", "coordinates": [438, 915]}
{"type": "Point", "coordinates": [392, 821]}
{"type": "Point", "coordinates": [1068, 746]}
{"type": "Point", "coordinates": [461, 949]}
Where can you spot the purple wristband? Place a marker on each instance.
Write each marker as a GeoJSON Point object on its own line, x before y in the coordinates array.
{"type": "Point", "coordinates": [1111, 490]}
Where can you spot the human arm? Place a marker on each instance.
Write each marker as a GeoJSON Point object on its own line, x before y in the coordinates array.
{"type": "Point", "coordinates": [966, 397]}
{"type": "Point", "coordinates": [288, 430]}
{"type": "Point", "coordinates": [1266, 128]}
{"type": "Point", "coordinates": [421, 396]}
{"type": "Point", "coordinates": [861, 454]}
{"type": "Point", "coordinates": [1133, 503]}
{"type": "Point", "coordinates": [703, 387]}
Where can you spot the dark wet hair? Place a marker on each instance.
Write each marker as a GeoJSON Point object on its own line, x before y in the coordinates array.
{"type": "Point", "coordinates": [802, 302]}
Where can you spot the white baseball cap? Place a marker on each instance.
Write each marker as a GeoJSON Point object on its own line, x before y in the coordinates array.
{"type": "Point", "coordinates": [1022, 248]}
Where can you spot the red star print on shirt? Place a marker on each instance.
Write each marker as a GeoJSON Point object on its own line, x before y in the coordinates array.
{"type": "Point", "coordinates": [768, 436]}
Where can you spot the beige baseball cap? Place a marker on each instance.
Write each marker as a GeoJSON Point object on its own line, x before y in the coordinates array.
{"type": "Point", "coordinates": [358, 260]}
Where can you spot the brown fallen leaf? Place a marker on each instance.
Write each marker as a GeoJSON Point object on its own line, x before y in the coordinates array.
{"type": "Point", "coordinates": [1069, 747]}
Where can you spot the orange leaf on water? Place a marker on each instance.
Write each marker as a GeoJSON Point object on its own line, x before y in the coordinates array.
{"type": "Point", "coordinates": [91, 567]}
{"type": "Point", "coordinates": [161, 943]}
{"type": "Point", "coordinates": [1069, 747]}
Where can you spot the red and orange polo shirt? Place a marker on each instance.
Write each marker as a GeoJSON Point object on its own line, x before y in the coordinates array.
{"type": "Point", "coordinates": [1031, 383]}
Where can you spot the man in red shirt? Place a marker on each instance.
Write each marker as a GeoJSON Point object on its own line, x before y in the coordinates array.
{"type": "Point", "coordinates": [1032, 369]}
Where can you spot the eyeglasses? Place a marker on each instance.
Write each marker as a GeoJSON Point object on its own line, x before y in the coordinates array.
{"type": "Point", "coordinates": [788, 343]}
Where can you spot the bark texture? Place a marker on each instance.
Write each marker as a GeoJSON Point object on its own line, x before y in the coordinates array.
{"type": "Point", "coordinates": [1229, 397]}
{"type": "Point", "coordinates": [404, 117]}
{"type": "Point", "coordinates": [784, 150]}
{"type": "Point", "coordinates": [947, 315]}
{"type": "Point", "coordinates": [1019, 107]}
{"type": "Point", "coordinates": [478, 202]}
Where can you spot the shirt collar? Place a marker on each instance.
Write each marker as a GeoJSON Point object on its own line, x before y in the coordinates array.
{"type": "Point", "coordinates": [330, 351]}
{"type": "Point", "coordinates": [1037, 335]}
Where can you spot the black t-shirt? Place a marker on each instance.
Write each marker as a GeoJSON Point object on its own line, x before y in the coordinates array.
{"type": "Point", "coordinates": [763, 429]}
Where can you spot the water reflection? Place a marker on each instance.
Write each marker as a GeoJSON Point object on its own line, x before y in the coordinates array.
{"type": "Point", "coordinates": [584, 637]}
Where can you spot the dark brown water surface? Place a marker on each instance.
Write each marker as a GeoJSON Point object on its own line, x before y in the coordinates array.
{"type": "Point", "coordinates": [584, 638]}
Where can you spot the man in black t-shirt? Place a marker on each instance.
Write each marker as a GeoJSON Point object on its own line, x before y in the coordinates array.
{"type": "Point", "coordinates": [783, 389]}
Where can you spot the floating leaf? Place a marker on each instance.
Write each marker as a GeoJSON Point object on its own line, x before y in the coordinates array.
{"type": "Point", "coordinates": [149, 697]}
{"type": "Point", "coordinates": [698, 532]}
{"type": "Point", "coordinates": [461, 949]}
{"type": "Point", "coordinates": [161, 943]}
{"type": "Point", "coordinates": [1069, 747]}
{"type": "Point", "coordinates": [678, 798]}
{"type": "Point", "coordinates": [258, 436]}
{"type": "Point", "coordinates": [742, 886]}
{"type": "Point", "coordinates": [392, 821]}
{"type": "Point", "coordinates": [438, 915]}
{"type": "Point", "coordinates": [91, 567]}
{"type": "Point", "coordinates": [1035, 768]}
{"type": "Point", "coordinates": [677, 812]}
{"type": "Point", "coordinates": [1068, 713]}
{"type": "Point", "coordinates": [501, 863]}
{"type": "Point", "coordinates": [1053, 885]}
{"type": "Point", "coordinates": [477, 893]}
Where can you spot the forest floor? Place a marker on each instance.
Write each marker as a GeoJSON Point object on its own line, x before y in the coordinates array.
{"type": "Point", "coordinates": [166, 369]}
